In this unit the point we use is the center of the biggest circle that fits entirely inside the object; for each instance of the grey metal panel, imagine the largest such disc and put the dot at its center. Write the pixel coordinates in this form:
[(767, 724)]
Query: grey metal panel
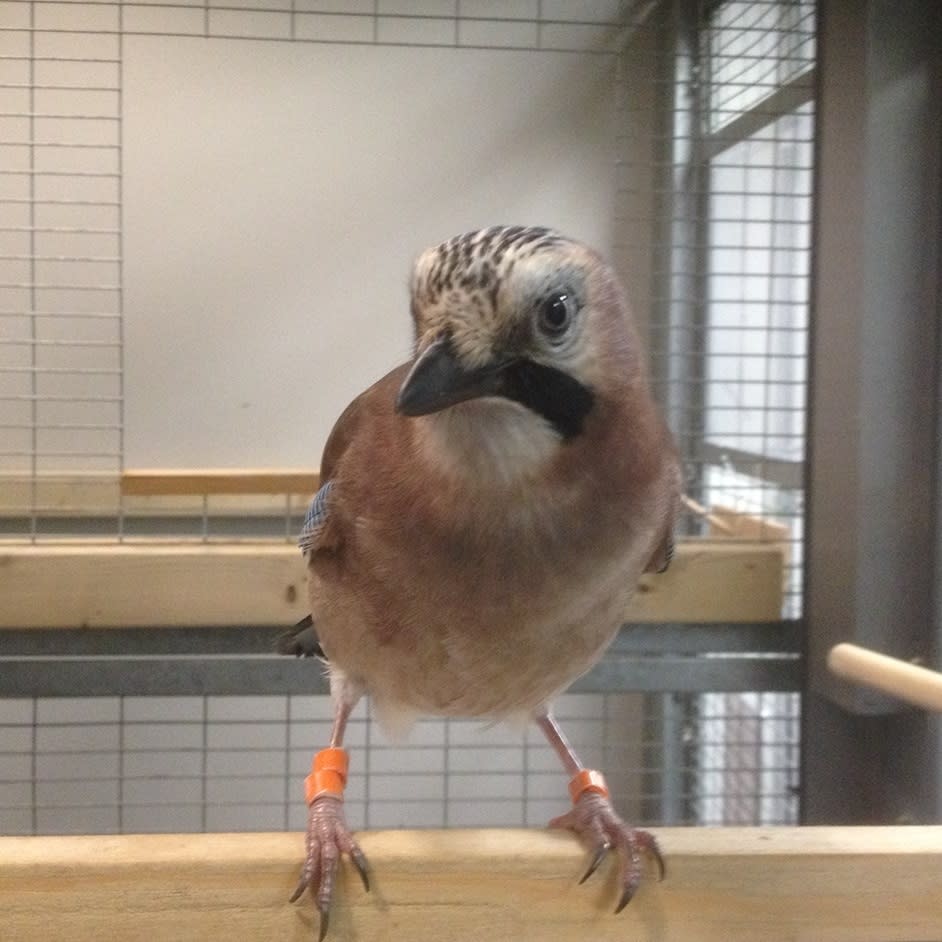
[(872, 425), (646, 658), (640, 638), (164, 676), (694, 675), (873, 521)]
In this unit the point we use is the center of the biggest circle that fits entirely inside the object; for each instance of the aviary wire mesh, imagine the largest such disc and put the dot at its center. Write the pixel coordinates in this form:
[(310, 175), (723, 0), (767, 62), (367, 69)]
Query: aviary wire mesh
[(714, 158), (141, 764)]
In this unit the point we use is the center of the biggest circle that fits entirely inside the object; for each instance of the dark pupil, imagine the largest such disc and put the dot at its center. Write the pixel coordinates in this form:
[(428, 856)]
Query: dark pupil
[(555, 313)]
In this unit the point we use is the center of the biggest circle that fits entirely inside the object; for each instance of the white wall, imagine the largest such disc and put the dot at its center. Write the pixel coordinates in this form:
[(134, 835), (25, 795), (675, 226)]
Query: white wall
[(275, 194)]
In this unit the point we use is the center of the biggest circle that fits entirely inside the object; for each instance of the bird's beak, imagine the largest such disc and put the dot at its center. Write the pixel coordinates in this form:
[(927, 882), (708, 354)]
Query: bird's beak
[(438, 380)]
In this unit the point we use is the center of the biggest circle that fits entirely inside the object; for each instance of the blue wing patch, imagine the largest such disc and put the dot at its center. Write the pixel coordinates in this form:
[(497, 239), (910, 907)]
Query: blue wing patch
[(315, 519)]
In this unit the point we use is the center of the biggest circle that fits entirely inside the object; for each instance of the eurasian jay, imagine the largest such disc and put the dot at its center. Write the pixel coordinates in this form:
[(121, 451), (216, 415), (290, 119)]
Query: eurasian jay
[(485, 512)]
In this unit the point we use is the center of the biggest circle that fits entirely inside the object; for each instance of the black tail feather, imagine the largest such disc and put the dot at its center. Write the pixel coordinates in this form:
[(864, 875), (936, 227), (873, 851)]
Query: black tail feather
[(301, 640)]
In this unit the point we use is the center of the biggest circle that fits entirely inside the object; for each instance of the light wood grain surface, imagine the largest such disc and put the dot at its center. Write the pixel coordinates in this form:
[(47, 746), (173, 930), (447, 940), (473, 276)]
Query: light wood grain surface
[(723, 885), (908, 682), (176, 481), (101, 585)]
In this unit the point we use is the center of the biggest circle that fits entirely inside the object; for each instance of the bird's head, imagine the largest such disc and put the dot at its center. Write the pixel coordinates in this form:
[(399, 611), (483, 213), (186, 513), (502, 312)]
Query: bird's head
[(522, 314)]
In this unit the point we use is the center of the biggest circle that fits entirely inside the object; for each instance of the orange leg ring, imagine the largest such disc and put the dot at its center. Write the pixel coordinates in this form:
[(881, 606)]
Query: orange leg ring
[(328, 774), (587, 780)]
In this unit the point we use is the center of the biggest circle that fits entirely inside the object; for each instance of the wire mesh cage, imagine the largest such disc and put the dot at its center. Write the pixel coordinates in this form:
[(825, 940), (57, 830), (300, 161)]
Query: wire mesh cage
[(713, 129), (142, 764)]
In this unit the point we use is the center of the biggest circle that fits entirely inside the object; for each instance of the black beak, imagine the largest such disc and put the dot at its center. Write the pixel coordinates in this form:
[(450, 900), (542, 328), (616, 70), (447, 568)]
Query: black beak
[(437, 380)]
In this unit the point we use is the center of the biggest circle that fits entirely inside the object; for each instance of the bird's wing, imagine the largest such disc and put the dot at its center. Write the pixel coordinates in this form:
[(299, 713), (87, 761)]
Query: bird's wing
[(344, 430), (301, 640), (664, 551), (317, 531), (316, 520), (662, 555)]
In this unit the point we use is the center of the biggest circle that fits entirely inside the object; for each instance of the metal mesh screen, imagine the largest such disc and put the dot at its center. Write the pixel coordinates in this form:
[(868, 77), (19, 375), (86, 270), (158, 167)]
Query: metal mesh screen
[(60, 265), (714, 160), (140, 764), (730, 292), (730, 298)]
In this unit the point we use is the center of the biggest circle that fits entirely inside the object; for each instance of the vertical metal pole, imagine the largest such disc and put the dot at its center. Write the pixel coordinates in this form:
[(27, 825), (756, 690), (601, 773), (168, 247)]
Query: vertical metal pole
[(683, 260), (672, 768), (873, 490)]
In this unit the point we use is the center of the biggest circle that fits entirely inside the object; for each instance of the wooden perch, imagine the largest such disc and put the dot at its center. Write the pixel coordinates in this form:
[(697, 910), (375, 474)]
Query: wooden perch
[(908, 682), (723, 885), (107, 585)]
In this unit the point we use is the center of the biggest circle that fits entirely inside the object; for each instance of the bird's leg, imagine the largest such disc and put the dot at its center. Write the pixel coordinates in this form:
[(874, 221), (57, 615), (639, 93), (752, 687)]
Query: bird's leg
[(594, 819), (327, 833)]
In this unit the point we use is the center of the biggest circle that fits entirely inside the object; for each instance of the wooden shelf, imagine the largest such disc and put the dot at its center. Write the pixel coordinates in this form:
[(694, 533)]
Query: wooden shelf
[(208, 481), (106, 585), (723, 885), (144, 582)]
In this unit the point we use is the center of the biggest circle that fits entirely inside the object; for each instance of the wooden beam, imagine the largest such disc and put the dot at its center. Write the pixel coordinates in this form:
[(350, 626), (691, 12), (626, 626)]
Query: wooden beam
[(106, 585), (79, 493), (723, 885), (714, 580), (255, 491), (175, 481)]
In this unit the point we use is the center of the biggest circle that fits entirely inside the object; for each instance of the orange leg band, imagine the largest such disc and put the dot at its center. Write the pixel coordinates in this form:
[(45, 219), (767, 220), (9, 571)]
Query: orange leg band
[(587, 780), (328, 774)]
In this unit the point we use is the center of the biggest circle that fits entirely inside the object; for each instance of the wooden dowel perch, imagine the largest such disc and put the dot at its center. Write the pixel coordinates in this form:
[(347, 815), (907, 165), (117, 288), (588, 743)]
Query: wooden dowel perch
[(909, 682), (721, 525)]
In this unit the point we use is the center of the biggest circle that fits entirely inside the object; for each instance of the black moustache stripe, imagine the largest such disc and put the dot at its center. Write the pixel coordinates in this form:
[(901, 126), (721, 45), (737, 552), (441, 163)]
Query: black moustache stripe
[(563, 401)]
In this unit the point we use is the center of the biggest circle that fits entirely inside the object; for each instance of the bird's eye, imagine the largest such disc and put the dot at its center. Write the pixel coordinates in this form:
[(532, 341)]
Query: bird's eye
[(555, 315)]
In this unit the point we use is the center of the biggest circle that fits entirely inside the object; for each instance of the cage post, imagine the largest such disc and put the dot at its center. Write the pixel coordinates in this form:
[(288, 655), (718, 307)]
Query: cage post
[(873, 511)]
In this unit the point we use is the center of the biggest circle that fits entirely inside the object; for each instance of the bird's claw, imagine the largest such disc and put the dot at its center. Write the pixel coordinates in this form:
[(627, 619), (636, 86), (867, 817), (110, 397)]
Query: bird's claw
[(328, 837), (359, 861), (595, 821), (600, 854)]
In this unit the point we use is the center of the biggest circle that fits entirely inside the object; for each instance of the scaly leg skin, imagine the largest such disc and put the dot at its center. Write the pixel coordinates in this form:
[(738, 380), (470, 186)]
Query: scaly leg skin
[(598, 825), (328, 836), (595, 821)]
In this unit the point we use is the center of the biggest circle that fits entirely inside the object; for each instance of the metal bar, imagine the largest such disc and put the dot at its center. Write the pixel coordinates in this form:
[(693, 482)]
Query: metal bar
[(873, 432), (672, 761), (637, 639), (693, 675), (651, 658), (164, 676)]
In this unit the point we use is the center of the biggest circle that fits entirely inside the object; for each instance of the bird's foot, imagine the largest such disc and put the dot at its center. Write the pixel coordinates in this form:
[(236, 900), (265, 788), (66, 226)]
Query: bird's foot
[(598, 825), (328, 837)]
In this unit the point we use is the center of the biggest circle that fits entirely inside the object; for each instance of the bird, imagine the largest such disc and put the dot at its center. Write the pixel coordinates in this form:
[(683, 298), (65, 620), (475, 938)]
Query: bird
[(485, 512)]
